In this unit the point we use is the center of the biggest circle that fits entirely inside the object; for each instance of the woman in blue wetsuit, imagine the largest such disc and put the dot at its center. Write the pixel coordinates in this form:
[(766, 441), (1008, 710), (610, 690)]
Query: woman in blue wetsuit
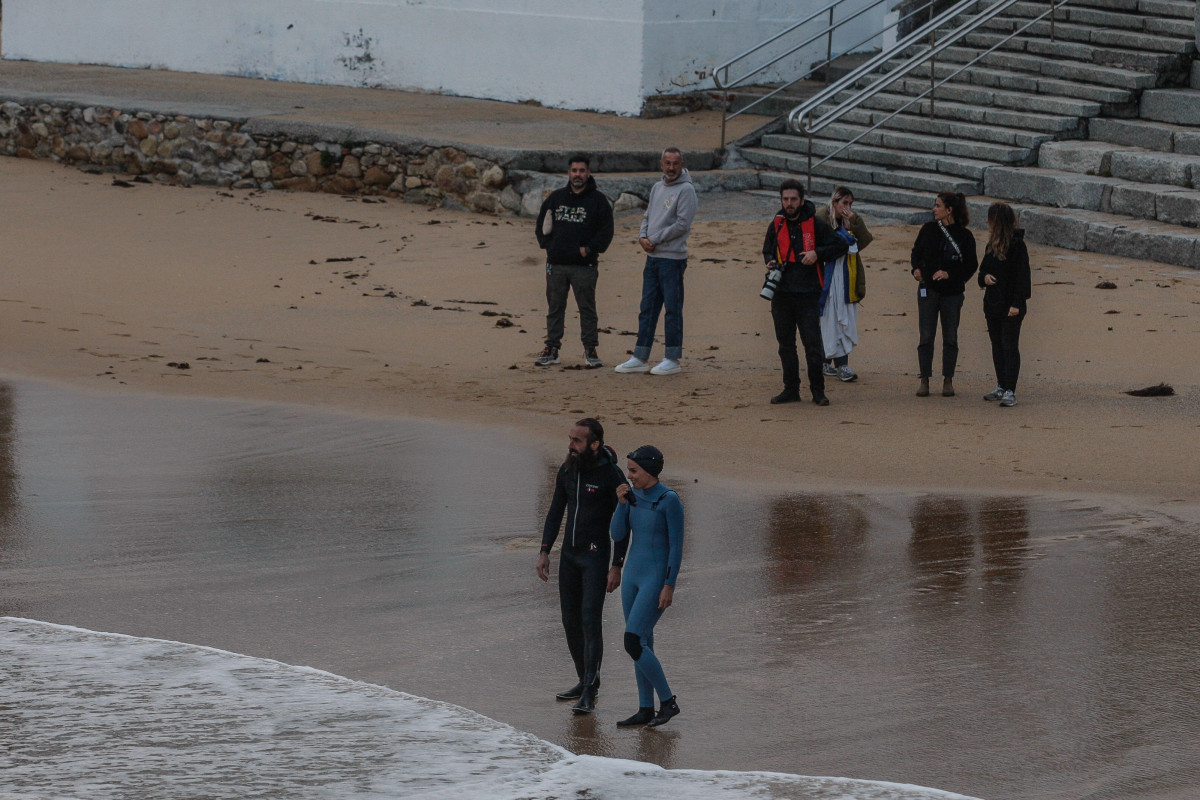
[(654, 515)]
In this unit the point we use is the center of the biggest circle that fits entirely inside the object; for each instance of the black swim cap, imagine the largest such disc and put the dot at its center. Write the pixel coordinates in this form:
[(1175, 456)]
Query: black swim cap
[(649, 458)]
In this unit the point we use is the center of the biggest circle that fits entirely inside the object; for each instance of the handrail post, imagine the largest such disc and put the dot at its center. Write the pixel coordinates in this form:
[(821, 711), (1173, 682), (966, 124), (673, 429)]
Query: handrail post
[(724, 112), (933, 64), (808, 186), (829, 44)]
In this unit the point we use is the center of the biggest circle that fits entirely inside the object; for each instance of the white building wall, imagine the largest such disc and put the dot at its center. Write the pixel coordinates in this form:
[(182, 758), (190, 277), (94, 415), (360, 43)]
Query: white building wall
[(580, 54)]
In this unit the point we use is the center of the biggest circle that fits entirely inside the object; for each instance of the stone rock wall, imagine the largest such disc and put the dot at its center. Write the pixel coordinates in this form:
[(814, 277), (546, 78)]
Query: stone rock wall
[(187, 150)]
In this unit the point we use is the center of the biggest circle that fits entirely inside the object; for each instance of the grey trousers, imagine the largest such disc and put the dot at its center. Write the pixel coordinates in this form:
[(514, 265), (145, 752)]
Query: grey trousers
[(560, 280)]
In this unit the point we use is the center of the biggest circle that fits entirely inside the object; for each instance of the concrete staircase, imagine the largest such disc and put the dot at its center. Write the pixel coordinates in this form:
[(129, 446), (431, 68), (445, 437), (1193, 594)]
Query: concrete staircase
[(1029, 123)]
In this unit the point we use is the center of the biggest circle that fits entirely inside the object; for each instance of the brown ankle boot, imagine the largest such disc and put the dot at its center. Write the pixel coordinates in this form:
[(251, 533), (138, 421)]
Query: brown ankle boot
[(923, 389), (947, 387)]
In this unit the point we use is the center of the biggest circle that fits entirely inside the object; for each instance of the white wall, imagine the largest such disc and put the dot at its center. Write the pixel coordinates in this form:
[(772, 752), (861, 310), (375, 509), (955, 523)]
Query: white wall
[(563, 53)]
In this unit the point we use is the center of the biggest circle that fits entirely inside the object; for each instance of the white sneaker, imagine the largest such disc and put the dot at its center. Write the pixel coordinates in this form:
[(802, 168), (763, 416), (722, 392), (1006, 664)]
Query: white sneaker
[(845, 374), (1009, 400), (667, 367), (829, 370), (632, 365)]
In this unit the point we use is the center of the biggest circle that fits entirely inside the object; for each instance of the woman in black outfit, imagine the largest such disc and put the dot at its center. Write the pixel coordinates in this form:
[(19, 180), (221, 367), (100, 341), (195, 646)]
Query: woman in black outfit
[(943, 260), (1004, 276)]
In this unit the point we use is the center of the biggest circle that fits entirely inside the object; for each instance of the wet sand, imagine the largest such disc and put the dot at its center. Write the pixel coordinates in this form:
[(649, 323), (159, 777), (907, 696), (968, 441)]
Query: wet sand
[(997, 645), (387, 308), (995, 602)]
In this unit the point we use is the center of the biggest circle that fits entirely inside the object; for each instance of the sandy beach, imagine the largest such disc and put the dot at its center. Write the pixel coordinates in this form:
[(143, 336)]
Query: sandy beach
[(383, 307), (935, 591)]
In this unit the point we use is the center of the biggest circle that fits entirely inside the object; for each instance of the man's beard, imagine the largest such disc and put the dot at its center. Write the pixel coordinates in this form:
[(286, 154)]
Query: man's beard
[(581, 462)]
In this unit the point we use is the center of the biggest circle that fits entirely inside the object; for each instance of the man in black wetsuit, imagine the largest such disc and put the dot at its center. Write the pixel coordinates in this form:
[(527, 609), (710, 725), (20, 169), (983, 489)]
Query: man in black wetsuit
[(586, 490)]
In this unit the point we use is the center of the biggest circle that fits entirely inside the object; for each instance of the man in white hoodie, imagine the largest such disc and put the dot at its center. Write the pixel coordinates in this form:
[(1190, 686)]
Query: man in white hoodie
[(664, 234)]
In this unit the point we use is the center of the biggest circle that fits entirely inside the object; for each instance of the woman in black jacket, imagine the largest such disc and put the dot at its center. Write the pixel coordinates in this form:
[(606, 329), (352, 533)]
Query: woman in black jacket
[(943, 260), (1004, 276)]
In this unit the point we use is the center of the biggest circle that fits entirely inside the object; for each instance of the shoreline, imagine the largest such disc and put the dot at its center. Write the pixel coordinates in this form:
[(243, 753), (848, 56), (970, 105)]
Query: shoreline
[(266, 302)]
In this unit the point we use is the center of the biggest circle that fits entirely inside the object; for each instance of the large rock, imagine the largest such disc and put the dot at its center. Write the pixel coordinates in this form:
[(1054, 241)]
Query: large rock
[(493, 177), (261, 170), (351, 168), (306, 183), (377, 176), (315, 162)]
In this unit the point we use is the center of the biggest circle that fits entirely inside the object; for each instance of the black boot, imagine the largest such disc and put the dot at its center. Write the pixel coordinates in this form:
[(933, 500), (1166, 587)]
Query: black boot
[(668, 709), (587, 698), (575, 691), (643, 716)]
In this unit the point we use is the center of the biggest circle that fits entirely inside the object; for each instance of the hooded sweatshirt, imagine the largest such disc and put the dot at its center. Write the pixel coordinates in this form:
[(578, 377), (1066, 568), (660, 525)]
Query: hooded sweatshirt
[(1013, 281), (577, 219), (669, 216)]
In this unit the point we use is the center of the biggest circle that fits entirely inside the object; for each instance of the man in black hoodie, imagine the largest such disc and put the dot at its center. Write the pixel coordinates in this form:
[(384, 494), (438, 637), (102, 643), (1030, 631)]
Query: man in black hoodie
[(586, 489), (574, 226), (799, 244)]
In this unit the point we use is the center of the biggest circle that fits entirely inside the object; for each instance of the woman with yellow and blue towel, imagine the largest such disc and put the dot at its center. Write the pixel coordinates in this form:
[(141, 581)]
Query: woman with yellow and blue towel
[(845, 285)]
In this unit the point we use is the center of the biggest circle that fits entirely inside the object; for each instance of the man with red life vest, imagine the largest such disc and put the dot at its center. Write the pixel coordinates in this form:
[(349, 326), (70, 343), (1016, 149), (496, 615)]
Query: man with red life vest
[(799, 244)]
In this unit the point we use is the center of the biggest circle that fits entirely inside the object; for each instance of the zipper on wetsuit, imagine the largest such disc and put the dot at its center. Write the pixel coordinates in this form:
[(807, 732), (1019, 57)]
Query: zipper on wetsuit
[(575, 518)]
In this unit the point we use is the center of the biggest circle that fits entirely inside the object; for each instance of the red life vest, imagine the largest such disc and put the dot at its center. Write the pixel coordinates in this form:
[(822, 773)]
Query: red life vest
[(785, 253)]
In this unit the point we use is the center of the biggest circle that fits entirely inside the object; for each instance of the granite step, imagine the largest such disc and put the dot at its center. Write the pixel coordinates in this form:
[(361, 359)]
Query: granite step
[(1109, 234), (1168, 203), (1159, 136), (1176, 106), (984, 152), (872, 212), (1038, 64), (1026, 82), (879, 194), (975, 105), (967, 131)]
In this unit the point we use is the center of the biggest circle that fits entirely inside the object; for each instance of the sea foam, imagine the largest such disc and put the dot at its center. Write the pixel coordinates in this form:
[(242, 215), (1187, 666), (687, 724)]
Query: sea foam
[(94, 716)]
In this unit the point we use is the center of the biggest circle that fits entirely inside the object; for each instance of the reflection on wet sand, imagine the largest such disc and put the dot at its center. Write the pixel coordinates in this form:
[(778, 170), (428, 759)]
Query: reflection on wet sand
[(1016, 647)]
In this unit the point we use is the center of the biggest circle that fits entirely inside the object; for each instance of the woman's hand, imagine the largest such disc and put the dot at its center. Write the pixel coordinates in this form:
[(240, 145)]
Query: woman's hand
[(622, 492), (941, 275), (1013, 311), (989, 279), (665, 597), (916, 273)]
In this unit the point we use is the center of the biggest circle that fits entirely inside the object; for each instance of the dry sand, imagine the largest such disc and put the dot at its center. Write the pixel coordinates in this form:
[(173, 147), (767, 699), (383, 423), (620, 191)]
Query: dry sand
[(314, 299)]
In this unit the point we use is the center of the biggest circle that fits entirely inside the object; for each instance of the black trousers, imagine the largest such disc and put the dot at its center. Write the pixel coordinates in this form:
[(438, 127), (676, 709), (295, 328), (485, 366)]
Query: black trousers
[(1005, 333), (930, 308), (582, 580), (794, 311)]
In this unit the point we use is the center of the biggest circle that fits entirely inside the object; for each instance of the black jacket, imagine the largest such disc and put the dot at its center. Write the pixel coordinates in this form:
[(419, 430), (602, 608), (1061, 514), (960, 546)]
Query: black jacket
[(589, 499), (799, 277), (583, 219), (932, 252), (1013, 282)]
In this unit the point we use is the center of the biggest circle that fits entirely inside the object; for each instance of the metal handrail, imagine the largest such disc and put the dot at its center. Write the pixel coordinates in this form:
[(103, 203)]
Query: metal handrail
[(721, 73), (797, 115)]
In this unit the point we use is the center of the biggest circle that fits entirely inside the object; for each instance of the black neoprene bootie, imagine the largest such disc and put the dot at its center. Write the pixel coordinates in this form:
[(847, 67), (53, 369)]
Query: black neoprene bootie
[(572, 693), (643, 716), (575, 691), (587, 700), (668, 709)]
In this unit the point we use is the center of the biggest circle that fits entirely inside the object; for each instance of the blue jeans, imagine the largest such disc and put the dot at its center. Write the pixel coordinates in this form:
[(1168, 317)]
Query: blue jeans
[(662, 284)]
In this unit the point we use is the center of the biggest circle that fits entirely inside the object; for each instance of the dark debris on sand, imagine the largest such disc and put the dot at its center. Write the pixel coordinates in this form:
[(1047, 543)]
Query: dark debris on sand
[(1161, 390)]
